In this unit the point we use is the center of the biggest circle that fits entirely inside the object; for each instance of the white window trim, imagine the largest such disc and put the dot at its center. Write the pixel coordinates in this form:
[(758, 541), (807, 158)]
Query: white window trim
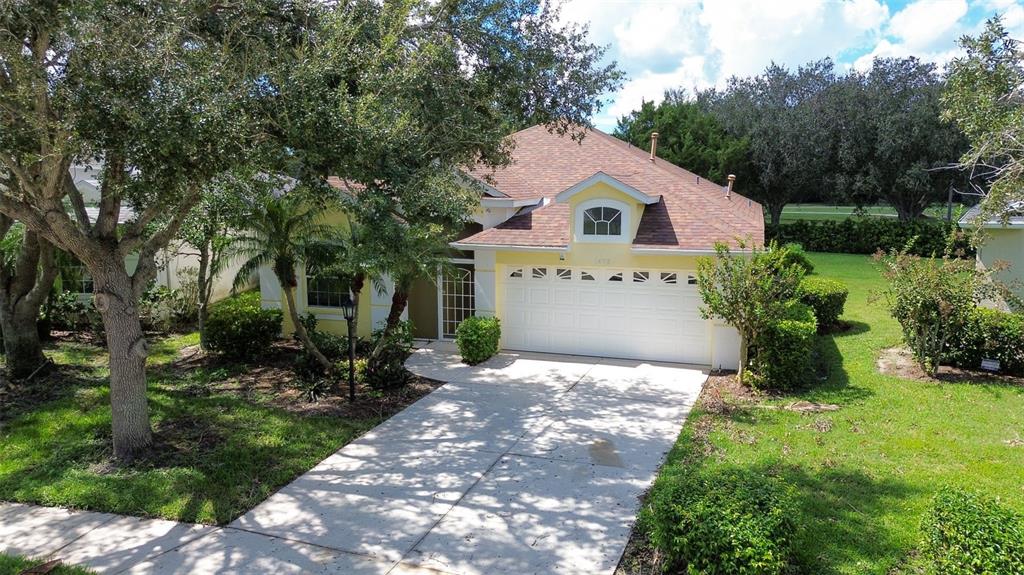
[(626, 213)]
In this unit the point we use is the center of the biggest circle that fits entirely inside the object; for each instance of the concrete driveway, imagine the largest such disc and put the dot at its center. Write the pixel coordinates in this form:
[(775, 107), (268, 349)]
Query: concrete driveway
[(528, 463)]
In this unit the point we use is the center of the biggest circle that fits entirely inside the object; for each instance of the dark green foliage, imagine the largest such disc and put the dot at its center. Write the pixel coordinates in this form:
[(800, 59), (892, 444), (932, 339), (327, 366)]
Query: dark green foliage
[(63, 310), (966, 533), (867, 235), (720, 521), (385, 368), (794, 254), (478, 338), (783, 351), (990, 334), (239, 328), (826, 297), (689, 137), (163, 309)]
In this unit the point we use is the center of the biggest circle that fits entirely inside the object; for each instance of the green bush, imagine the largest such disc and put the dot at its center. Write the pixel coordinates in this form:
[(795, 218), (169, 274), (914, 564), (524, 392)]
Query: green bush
[(720, 521), (63, 310), (794, 254), (240, 328), (970, 534), (867, 235), (385, 367), (478, 338), (782, 353), (988, 334), (826, 297)]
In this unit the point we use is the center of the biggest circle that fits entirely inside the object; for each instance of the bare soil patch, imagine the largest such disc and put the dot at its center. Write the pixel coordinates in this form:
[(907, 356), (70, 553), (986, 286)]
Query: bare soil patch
[(899, 362)]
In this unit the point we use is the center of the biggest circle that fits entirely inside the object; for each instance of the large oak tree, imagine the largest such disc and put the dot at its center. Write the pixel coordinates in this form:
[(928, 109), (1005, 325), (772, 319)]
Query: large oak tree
[(156, 92)]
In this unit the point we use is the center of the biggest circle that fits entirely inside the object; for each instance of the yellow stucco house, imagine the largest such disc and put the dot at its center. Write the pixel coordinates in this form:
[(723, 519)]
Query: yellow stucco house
[(585, 248)]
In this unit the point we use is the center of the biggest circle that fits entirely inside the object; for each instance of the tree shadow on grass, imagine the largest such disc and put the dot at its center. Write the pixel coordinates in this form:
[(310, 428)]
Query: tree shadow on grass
[(842, 518), (832, 374)]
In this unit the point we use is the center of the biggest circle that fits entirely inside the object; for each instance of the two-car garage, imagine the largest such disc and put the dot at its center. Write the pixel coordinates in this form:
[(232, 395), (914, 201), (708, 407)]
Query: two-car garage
[(628, 313)]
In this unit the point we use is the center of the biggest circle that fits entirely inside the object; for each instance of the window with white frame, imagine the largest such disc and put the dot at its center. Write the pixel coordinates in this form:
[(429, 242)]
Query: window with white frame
[(325, 290), (602, 220)]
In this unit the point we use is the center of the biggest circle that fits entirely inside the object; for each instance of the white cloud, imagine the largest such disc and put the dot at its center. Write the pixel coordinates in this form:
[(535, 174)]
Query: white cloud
[(921, 24)]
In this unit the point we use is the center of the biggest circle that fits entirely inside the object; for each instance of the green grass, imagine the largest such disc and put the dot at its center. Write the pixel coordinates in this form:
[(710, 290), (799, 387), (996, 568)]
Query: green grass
[(794, 212), (215, 456), (865, 483), (11, 565)]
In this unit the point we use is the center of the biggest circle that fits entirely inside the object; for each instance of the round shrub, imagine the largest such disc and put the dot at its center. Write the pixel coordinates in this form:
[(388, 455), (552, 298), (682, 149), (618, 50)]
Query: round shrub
[(478, 338), (794, 254), (240, 328), (782, 353), (720, 520), (968, 533), (988, 334), (826, 297)]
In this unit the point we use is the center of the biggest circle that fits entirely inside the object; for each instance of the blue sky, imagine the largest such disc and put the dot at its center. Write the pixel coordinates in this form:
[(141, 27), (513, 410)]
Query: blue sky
[(692, 44)]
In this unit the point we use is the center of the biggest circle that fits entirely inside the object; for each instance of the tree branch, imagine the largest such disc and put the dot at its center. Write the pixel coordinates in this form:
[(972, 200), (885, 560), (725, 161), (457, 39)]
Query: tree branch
[(145, 271)]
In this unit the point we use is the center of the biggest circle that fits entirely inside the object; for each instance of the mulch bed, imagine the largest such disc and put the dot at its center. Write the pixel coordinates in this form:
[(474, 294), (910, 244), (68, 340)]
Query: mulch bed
[(899, 362), (273, 382)]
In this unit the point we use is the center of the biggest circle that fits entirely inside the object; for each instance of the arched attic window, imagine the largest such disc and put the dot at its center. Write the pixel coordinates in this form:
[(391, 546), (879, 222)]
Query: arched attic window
[(602, 220)]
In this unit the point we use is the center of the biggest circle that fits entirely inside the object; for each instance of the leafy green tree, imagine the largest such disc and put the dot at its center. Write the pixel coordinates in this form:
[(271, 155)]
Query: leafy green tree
[(209, 228), (27, 273), (397, 99), (688, 136), (983, 98), (159, 91), (892, 144), (286, 233), (780, 113), (750, 290)]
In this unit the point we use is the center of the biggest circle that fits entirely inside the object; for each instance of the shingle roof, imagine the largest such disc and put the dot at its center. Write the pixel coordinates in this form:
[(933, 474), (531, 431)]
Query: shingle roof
[(693, 213)]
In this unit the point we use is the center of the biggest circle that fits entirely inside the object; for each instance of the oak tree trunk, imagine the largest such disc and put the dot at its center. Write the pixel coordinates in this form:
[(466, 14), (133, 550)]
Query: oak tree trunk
[(22, 348), (202, 280), (775, 213), (116, 302)]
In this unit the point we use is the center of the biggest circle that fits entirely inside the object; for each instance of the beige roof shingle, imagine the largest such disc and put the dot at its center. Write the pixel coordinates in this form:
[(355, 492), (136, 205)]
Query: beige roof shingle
[(693, 213)]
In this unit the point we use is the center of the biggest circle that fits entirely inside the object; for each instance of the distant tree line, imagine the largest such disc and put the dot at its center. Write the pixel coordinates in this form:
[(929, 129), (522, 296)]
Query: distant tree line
[(811, 135)]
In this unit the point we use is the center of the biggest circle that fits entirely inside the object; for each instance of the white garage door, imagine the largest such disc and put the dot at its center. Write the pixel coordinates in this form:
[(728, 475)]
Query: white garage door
[(637, 314)]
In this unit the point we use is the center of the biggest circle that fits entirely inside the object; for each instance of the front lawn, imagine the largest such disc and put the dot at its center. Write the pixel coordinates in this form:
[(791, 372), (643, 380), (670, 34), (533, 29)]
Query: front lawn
[(864, 474), (12, 565), (224, 439)]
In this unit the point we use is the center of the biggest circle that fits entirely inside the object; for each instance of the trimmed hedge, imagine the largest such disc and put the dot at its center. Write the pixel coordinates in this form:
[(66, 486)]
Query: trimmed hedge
[(240, 328), (782, 355), (478, 338), (826, 297), (990, 334), (720, 520), (967, 533), (867, 235)]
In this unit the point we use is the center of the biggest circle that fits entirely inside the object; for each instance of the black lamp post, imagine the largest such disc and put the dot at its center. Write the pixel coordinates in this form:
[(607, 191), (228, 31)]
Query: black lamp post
[(348, 309)]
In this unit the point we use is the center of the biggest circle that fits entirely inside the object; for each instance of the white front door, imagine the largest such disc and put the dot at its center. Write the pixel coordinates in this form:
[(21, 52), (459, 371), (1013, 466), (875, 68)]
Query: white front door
[(634, 313)]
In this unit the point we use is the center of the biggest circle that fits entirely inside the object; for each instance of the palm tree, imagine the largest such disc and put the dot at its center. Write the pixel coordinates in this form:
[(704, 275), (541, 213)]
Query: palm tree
[(285, 232)]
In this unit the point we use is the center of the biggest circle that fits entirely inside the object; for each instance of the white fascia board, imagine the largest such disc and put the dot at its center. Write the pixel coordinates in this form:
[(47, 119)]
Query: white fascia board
[(508, 248), (601, 177), (679, 251), (509, 202)]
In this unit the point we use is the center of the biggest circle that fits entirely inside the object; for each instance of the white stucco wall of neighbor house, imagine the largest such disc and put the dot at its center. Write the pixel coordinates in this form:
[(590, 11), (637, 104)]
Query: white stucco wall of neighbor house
[(1005, 244)]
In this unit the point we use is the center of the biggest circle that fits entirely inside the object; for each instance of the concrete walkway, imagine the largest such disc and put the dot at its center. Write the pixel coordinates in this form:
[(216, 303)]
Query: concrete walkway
[(528, 463)]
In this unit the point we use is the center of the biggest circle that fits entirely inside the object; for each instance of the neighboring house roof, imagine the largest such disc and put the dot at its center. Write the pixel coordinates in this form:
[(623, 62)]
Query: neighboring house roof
[(691, 214), (1016, 211), (125, 214)]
